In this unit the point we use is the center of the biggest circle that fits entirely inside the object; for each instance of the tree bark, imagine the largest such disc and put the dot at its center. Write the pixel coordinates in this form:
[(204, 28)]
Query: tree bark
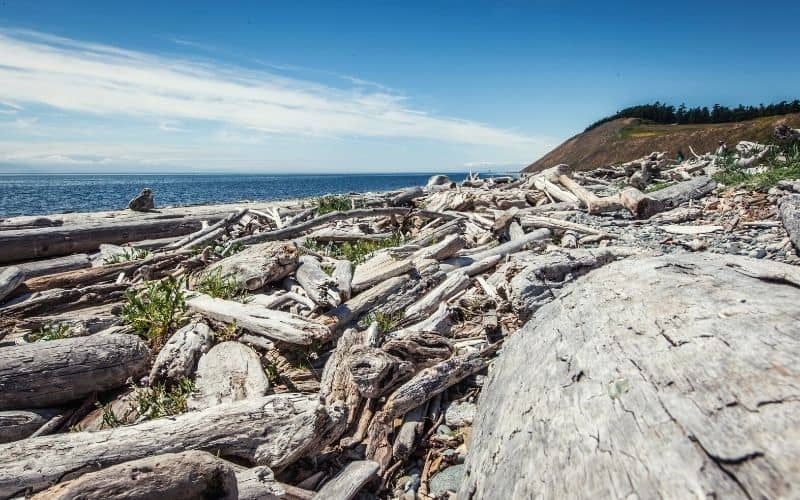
[(19, 424), (188, 475), (10, 279), (664, 395), (349, 481), (52, 372), (273, 431)]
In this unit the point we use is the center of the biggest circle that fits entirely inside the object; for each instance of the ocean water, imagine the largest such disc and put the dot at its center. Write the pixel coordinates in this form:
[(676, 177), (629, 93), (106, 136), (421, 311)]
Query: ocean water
[(52, 194)]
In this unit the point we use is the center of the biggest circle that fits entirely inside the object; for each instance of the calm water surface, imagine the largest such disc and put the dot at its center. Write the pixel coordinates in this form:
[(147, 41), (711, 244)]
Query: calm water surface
[(49, 194)]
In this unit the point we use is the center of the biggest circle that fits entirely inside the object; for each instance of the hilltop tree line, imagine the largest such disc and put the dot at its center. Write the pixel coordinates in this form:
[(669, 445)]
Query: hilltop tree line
[(664, 113)]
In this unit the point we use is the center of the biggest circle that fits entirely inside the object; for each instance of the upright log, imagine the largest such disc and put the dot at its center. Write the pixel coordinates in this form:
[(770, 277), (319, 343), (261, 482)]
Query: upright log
[(229, 372), (190, 475), (178, 358), (272, 430), (52, 372)]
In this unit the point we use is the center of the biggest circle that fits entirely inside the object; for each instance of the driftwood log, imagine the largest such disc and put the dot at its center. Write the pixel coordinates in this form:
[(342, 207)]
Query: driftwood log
[(258, 265), (191, 475), (343, 274), (10, 279), (45, 242), (19, 424), (178, 358), (639, 204), (320, 287), (273, 431), (229, 372), (55, 265), (276, 325), (672, 196), (639, 399), (52, 372), (349, 481)]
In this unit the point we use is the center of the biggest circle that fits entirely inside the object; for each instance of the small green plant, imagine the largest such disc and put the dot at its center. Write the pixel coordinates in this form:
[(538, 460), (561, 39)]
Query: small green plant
[(357, 251), (161, 400), (50, 331), (213, 283), (272, 374), (110, 420), (128, 254), (327, 269), (782, 163), (157, 310), (386, 322), (331, 203), (657, 186)]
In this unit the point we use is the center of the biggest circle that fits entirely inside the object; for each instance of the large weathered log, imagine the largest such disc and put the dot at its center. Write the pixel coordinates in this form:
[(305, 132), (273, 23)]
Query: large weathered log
[(349, 482), (672, 196), (378, 269), (320, 287), (229, 372), (60, 300), (190, 475), (178, 358), (292, 231), (258, 265), (500, 250), (537, 221), (343, 274), (790, 217), (406, 196), (277, 325), (10, 279), (546, 179), (350, 311), (672, 394), (639, 204), (209, 233), (593, 203), (341, 235), (19, 424), (336, 382), (273, 431), (39, 243), (51, 372), (375, 372), (439, 251)]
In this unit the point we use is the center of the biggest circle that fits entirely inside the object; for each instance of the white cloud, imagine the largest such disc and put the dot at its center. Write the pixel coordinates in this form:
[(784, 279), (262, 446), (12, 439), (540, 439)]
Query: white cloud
[(168, 126), (101, 80)]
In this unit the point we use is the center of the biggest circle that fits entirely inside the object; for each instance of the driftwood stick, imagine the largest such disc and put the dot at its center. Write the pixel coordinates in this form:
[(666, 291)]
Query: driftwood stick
[(213, 231), (639, 204), (343, 274), (454, 283), (500, 250), (537, 221), (55, 265), (272, 430), (10, 279), (592, 202), (349, 481), (320, 287), (349, 311)]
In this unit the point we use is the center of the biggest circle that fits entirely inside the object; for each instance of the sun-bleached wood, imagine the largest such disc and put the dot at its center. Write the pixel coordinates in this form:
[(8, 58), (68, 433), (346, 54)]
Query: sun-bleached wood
[(178, 358), (10, 279), (628, 396), (258, 265), (272, 430), (187, 475), (229, 372), (53, 372), (320, 287), (349, 481)]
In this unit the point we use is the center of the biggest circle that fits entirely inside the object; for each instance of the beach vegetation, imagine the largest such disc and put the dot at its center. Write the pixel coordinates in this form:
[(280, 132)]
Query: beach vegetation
[(157, 310)]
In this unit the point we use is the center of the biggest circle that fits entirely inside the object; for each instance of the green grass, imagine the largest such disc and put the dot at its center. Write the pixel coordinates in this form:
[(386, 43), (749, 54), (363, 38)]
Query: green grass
[(157, 310), (128, 254), (386, 322), (331, 203), (657, 186), (357, 251), (783, 164), (161, 400), (50, 331), (213, 283)]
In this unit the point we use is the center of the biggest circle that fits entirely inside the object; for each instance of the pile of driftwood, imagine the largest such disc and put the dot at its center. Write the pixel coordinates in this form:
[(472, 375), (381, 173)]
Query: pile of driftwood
[(323, 372)]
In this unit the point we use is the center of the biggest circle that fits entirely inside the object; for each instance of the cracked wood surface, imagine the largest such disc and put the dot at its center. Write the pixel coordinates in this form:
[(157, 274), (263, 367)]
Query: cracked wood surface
[(666, 377)]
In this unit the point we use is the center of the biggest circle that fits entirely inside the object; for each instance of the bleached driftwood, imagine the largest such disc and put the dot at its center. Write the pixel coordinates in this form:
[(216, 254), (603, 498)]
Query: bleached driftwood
[(54, 301), (420, 348), (190, 474), (336, 383), (340, 235), (59, 371), (500, 250), (341, 316), (258, 483), (546, 181), (212, 232), (672, 196), (644, 399), (537, 221), (438, 322), (229, 372), (406, 196), (55, 265), (593, 203), (515, 231), (406, 437), (343, 274), (273, 431), (19, 424), (277, 325), (10, 279), (320, 287), (375, 372), (789, 211), (178, 358), (439, 251), (639, 204), (378, 268), (258, 265), (454, 283), (349, 481)]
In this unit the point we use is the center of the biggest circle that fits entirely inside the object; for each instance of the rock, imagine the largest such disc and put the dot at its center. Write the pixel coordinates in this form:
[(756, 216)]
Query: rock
[(447, 480), (437, 180), (790, 216), (460, 414), (143, 202), (668, 376), (229, 372)]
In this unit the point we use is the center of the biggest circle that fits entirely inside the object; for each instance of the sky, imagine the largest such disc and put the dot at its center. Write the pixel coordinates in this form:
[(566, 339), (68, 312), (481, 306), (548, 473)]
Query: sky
[(353, 87)]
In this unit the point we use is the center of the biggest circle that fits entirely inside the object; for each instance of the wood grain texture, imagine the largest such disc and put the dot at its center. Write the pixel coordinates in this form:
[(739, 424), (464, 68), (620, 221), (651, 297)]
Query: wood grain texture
[(59, 371), (258, 265), (178, 358), (229, 372), (663, 377)]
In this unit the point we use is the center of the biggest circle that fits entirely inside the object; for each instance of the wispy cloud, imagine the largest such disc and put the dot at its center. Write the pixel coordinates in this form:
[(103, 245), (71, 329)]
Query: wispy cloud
[(168, 126), (95, 79)]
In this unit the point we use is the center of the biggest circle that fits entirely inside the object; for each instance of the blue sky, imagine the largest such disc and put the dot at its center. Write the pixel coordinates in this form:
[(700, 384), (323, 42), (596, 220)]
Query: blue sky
[(296, 87)]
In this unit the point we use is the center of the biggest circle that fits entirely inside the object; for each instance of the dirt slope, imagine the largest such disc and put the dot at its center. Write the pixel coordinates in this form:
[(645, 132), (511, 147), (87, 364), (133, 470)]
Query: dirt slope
[(630, 138)]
